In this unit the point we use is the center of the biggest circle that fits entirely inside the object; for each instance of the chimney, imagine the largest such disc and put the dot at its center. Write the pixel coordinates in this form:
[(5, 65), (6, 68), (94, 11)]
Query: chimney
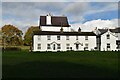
[(61, 30), (48, 19), (79, 30)]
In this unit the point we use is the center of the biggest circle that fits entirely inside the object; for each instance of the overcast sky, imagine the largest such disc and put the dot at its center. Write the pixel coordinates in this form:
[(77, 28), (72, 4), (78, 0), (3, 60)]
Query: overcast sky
[(86, 15)]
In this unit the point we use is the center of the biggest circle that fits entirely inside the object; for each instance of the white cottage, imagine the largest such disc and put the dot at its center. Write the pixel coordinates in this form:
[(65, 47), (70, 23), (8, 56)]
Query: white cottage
[(108, 39), (55, 35)]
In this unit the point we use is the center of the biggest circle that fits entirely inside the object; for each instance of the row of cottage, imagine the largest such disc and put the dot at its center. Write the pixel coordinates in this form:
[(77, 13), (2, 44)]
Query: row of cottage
[(55, 35)]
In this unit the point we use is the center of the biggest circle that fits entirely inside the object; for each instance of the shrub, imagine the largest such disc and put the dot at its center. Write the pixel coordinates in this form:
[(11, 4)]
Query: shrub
[(11, 49)]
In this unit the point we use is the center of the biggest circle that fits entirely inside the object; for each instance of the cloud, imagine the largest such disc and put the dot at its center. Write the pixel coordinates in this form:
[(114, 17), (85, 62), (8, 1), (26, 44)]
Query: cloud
[(91, 25), (0, 14), (26, 14), (60, 0), (76, 11)]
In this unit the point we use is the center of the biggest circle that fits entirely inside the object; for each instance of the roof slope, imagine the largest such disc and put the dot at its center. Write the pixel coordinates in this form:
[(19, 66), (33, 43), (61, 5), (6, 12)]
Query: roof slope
[(117, 30), (55, 21)]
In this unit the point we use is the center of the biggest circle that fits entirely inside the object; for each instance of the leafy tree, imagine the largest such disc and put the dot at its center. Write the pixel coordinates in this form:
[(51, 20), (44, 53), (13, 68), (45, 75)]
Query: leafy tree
[(11, 35), (28, 35)]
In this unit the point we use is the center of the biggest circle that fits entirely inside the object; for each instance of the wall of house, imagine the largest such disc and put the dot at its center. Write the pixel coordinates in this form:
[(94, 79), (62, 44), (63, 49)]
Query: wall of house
[(112, 42), (72, 40), (50, 28)]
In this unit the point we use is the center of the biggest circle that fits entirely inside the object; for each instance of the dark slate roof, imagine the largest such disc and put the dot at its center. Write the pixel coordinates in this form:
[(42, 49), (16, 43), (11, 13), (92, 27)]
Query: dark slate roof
[(117, 30), (64, 33), (55, 21)]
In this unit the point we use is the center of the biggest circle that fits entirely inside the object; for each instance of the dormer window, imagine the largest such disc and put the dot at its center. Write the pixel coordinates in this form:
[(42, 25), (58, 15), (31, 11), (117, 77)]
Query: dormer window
[(108, 36)]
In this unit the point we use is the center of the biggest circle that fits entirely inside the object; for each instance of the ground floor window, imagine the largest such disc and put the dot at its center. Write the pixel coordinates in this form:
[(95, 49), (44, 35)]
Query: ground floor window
[(39, 46), (58, 46), (86, 46), (108, 45), (67, 46), (48, 46)]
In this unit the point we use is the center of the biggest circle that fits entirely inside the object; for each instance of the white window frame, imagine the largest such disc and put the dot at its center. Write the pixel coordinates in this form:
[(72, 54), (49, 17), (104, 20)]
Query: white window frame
[(58, 46), (39, 38), (48, 46), (108, 36), (67, 46), (48, 37), (108, 45), (39, 46), (86, 45), (76, 37), (67, 37), (58, 37), (86, 37)]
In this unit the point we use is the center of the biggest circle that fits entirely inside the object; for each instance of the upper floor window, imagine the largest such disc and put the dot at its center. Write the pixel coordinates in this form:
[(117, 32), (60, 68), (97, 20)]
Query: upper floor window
[(39, 46), (67, 37), (86, 37), (108, 36), (39, 38), (58, 37), (76, 37), (48, 37)]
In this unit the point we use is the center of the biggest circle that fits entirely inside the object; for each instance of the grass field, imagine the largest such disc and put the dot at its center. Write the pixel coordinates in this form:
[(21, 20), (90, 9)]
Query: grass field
[(23, 64)]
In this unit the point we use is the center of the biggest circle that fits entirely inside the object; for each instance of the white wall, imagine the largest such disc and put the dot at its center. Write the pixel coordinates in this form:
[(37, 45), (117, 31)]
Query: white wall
[(54, 28), (112, 41), (72, 39)]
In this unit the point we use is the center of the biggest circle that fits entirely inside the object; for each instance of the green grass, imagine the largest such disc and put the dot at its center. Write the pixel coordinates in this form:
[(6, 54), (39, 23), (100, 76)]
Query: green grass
[(22, 64)]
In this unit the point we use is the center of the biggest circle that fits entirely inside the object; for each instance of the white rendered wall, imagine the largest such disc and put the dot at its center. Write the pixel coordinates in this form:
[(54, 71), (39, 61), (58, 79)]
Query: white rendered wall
[(112, 42), (72, 39), (55, 28)]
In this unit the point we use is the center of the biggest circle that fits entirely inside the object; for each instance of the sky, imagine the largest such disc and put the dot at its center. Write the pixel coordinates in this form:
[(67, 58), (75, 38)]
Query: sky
[(86, 15)]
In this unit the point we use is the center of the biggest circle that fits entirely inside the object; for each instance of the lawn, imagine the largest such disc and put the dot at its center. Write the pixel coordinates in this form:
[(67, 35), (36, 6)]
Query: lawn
[(24, 64)]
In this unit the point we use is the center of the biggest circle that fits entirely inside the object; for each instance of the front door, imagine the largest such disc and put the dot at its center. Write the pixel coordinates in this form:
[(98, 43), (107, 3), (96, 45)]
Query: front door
[(54, 47), (77, 46)]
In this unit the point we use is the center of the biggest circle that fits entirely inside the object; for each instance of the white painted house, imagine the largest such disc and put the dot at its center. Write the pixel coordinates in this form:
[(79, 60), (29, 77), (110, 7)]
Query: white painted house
[(108, 39), (55, 35)]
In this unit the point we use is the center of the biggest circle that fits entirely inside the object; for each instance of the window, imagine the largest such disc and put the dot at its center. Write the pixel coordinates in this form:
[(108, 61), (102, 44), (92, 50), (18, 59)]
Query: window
[(108, 45), (76, 37), (67, 37), (48, 46), (39, 38), (58, 37), (108, 36), (86, 46), (86, 37), (39, 46), (67, 46), (58, 46), (48, 37)]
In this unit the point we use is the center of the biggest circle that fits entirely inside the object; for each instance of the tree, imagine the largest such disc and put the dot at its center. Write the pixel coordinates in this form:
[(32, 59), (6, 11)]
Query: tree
[(12, 36), (28, 35)]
